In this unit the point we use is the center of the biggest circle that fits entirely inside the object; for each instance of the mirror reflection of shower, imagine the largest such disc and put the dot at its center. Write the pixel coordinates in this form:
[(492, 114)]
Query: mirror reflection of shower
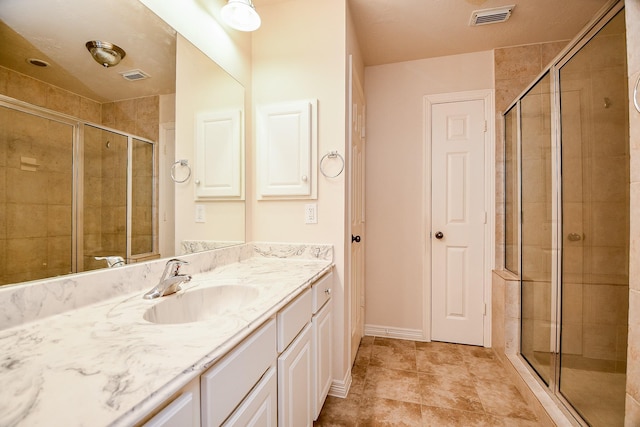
[(57, 225)]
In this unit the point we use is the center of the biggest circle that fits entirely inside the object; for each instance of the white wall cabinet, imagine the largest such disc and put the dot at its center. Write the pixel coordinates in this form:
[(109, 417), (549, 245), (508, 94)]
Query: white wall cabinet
[(287, 150), (219, 155)]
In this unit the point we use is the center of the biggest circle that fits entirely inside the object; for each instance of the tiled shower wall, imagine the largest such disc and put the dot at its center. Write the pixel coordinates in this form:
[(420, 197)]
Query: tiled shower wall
[(514, 71), (35, 207)]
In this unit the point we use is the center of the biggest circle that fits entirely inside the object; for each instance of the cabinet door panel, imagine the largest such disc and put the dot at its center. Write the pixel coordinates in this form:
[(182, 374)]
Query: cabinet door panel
[(219, 154), (260, 408), (184, 411), (286, 149), (322, 332), (295, 380)]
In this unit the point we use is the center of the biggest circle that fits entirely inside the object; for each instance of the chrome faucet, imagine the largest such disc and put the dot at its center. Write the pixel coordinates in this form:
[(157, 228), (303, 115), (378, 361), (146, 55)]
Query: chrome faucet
[(112, 261), (170, 280)]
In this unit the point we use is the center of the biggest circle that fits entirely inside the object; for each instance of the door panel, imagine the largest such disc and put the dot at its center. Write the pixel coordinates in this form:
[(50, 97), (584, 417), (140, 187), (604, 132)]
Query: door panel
[(458, 213), (357, 180)]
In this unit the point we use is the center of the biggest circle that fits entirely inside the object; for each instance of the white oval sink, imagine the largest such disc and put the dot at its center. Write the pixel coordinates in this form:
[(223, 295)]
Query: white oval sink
[(201, 304)]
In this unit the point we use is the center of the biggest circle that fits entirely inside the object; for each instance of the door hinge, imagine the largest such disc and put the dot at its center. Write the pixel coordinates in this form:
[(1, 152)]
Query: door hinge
[(485, 125), (484, 310), (485, 217)]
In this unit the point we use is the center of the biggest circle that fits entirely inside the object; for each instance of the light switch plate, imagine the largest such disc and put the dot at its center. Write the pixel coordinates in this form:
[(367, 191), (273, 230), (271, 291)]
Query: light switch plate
[(311, 213), (200, 214)]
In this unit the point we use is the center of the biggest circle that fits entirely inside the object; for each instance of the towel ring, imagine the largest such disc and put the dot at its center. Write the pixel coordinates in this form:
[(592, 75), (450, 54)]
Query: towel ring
[(332, 155), (183, 162)]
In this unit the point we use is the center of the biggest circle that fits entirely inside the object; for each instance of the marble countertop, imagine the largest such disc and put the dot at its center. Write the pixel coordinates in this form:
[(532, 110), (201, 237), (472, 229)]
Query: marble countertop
[(104, 365)]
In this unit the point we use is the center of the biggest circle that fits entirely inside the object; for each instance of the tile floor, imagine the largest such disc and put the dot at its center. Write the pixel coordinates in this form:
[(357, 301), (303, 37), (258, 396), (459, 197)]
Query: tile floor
[(408, 383)]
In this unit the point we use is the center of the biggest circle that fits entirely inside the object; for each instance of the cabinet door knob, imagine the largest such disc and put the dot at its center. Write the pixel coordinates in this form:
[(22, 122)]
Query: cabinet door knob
[(304, 178), (327, 291)]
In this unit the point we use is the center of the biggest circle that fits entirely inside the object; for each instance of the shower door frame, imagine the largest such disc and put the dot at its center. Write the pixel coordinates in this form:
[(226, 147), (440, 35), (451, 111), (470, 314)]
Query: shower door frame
[(77, 185), (600, 21)]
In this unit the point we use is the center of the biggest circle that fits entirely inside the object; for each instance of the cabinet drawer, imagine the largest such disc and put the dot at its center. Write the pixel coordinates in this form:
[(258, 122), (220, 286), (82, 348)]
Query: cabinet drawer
[(321, 290), (230, 380), (292, 319)]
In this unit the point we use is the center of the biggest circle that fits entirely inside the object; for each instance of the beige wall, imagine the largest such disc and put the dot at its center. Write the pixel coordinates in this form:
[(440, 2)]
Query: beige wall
[(397, 251), (632, 417), (292, 56), (295, 57), (214, 91)]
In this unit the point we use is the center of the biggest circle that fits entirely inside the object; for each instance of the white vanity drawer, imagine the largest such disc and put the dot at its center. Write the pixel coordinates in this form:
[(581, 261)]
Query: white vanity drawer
[(321, 290), (292, 319), (226, 384)]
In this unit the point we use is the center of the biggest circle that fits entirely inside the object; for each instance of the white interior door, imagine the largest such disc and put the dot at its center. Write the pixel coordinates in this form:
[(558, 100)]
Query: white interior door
[(357, 214), (458, 218)]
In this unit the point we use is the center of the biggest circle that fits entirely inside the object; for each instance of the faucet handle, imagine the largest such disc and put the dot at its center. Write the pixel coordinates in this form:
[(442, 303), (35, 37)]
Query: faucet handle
[(177, 261), (173, 266)]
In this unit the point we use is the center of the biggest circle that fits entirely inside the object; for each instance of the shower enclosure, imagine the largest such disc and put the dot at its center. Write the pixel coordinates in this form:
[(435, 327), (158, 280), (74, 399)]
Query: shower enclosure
[(71, 192), (567, 222)]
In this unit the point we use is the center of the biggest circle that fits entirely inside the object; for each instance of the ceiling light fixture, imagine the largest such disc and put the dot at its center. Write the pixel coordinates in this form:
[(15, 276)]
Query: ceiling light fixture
[(241, 15), (105, 53)]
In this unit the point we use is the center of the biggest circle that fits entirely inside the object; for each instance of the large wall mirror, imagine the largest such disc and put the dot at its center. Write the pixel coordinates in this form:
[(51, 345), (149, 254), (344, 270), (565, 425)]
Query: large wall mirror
[(87, 152)]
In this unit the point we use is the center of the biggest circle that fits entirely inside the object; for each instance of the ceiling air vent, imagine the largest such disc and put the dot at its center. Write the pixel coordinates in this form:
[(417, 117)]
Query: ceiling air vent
[(490, 16), (134, 75)]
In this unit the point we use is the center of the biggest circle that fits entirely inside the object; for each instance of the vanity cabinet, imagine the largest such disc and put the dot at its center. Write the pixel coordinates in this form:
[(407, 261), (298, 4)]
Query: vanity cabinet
[(304, 365), (278, 376), (321, 339), (295, 374)]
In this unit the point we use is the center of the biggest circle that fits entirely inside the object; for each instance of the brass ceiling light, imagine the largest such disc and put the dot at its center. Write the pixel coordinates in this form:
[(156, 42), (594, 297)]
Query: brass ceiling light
[(105, 53)]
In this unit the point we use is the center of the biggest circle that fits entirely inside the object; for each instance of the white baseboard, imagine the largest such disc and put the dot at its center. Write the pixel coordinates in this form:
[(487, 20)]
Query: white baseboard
[(341, 388), (398, 333)]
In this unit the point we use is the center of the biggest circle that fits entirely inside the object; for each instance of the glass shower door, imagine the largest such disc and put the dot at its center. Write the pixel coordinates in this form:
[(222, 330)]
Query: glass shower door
[(142, 198), (36, 196), (537, 336), (104, 197), (595, 225)]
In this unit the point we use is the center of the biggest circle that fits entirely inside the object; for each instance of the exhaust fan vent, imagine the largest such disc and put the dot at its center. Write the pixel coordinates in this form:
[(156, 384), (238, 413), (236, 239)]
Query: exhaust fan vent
[(490, 16), (134, 75)]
